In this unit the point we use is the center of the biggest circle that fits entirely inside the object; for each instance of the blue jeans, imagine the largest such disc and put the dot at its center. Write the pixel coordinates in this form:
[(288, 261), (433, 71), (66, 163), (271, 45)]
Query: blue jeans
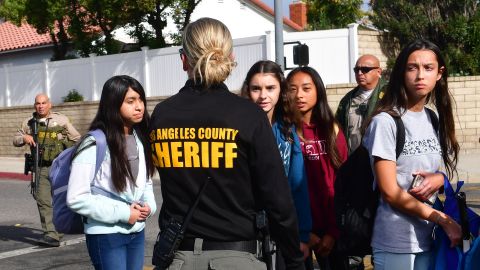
[(116, 251), (400, 261)]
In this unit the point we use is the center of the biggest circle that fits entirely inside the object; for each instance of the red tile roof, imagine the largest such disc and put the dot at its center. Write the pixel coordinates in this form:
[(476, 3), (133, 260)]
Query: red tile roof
[(13, 37), (269, 10)]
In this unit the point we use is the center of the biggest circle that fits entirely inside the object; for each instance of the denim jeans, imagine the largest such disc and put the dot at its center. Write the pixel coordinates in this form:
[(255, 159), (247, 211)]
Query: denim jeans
[(400, 261), (116, 251)]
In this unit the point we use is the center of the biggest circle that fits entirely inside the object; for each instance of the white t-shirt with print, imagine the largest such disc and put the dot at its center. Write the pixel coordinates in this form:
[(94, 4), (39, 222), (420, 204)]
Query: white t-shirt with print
[(395, 231)]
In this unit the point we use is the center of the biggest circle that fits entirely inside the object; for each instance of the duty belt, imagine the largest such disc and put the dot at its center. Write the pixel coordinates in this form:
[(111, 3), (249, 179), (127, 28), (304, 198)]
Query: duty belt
[(245, 246)]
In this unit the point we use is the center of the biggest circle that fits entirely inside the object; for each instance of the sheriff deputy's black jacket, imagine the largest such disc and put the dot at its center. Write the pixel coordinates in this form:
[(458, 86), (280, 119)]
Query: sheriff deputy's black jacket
[(212, 132)]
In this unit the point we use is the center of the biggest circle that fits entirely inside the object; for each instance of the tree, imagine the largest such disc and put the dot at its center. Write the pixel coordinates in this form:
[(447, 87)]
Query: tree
[(182, 12), (330, 14), (148, 22), (47, 16), (156, 18), (454, 25), (88, 24), (106, 15)]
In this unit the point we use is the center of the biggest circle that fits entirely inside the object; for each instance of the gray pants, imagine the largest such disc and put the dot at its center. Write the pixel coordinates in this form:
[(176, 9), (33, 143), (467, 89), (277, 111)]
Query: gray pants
[(215, 259), (43, 197)]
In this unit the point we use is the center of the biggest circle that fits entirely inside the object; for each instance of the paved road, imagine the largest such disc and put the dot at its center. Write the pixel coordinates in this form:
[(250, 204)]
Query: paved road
[(20, 228)]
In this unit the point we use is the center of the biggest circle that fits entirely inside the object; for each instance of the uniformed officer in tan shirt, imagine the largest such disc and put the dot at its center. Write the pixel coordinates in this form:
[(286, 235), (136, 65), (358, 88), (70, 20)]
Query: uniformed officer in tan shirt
[(55, 133)]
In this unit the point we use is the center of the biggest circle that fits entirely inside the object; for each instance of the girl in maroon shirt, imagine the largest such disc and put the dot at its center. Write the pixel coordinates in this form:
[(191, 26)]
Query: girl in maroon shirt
[(324, 149)]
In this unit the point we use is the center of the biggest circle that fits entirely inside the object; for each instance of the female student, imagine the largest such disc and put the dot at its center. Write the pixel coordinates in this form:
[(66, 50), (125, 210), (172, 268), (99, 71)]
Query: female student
[(403, 224), (265, 85), (324, 149), (115, 229)]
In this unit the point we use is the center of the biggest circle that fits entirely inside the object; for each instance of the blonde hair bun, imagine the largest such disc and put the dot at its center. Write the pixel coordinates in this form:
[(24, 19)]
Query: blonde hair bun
[(208, 46)]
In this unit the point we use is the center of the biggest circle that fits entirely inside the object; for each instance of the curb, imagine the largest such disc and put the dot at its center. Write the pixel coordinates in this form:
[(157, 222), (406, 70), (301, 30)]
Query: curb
[(14, 176)]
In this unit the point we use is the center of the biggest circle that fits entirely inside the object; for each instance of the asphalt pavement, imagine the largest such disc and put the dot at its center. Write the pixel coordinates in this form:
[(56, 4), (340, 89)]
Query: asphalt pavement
[(20, 229)]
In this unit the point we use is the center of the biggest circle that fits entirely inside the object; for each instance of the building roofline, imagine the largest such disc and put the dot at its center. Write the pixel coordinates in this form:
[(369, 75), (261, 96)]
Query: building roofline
[(21, 37), (269, 10), (34, 47)]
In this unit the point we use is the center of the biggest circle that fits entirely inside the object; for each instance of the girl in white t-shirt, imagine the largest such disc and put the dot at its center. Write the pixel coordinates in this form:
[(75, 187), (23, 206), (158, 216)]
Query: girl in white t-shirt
[(403, 224)]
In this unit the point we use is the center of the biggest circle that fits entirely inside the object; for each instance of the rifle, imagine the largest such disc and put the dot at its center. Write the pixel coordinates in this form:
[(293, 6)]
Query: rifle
[(31, 160)]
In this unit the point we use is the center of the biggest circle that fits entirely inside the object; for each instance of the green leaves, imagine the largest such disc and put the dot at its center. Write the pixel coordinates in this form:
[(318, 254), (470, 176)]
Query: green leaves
[(88, 24), (13, 10), (332, 14), (72, 96), (453, 25)]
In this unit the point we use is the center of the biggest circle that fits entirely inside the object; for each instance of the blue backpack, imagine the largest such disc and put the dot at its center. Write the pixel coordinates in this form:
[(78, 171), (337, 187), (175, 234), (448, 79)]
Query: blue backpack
[(443, 256), (64, 219)]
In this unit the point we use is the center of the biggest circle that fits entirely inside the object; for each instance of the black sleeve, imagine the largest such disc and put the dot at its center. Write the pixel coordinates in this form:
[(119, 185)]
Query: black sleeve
[(274, 194)]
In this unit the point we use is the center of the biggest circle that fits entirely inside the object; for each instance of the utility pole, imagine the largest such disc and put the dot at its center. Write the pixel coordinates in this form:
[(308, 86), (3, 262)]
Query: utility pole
[(278, 9)]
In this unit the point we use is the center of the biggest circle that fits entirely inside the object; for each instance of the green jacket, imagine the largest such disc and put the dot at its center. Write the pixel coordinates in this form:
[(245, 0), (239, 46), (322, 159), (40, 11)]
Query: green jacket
[(344, 106)]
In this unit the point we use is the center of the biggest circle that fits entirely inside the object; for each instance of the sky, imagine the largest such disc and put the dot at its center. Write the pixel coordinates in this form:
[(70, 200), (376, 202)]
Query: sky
[(285, 4)]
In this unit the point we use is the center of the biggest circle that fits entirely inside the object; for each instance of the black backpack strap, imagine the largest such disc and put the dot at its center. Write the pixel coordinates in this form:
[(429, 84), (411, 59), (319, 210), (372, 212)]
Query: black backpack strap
[(400, 135), (433, 118)]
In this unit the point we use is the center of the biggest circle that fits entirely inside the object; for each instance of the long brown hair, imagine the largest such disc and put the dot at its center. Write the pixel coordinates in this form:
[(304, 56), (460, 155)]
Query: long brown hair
[(322, 114), (396, 98), (109, 120)]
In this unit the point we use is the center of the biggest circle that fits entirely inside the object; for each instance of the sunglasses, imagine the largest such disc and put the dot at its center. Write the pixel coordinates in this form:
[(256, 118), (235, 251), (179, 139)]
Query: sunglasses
[(364, 70)]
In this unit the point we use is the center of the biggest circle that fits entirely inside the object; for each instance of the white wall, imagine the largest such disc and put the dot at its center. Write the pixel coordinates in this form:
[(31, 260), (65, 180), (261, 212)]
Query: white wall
[(331, 53), (26, 57)]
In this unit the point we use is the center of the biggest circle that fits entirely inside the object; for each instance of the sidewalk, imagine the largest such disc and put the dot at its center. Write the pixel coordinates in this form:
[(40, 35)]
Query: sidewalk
[(468, 168)]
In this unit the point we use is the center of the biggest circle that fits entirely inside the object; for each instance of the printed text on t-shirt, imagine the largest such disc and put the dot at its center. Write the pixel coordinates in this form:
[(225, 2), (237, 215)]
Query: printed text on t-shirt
[(313, 149)]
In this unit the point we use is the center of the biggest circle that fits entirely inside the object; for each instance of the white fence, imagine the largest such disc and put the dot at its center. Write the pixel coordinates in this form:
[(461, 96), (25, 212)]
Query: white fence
[(332, 53)]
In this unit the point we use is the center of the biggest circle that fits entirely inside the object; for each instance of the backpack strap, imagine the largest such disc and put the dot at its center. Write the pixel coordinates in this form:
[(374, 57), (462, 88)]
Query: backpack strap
[(101, 142), (400, 135), (433, 118)]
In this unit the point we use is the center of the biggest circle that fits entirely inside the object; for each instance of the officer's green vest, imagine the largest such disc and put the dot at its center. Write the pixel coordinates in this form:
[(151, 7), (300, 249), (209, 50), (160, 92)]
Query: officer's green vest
[(48, 140)]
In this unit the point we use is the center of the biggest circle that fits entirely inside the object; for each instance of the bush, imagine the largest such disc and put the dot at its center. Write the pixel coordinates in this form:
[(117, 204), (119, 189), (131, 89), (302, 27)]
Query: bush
[(72, 96)]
